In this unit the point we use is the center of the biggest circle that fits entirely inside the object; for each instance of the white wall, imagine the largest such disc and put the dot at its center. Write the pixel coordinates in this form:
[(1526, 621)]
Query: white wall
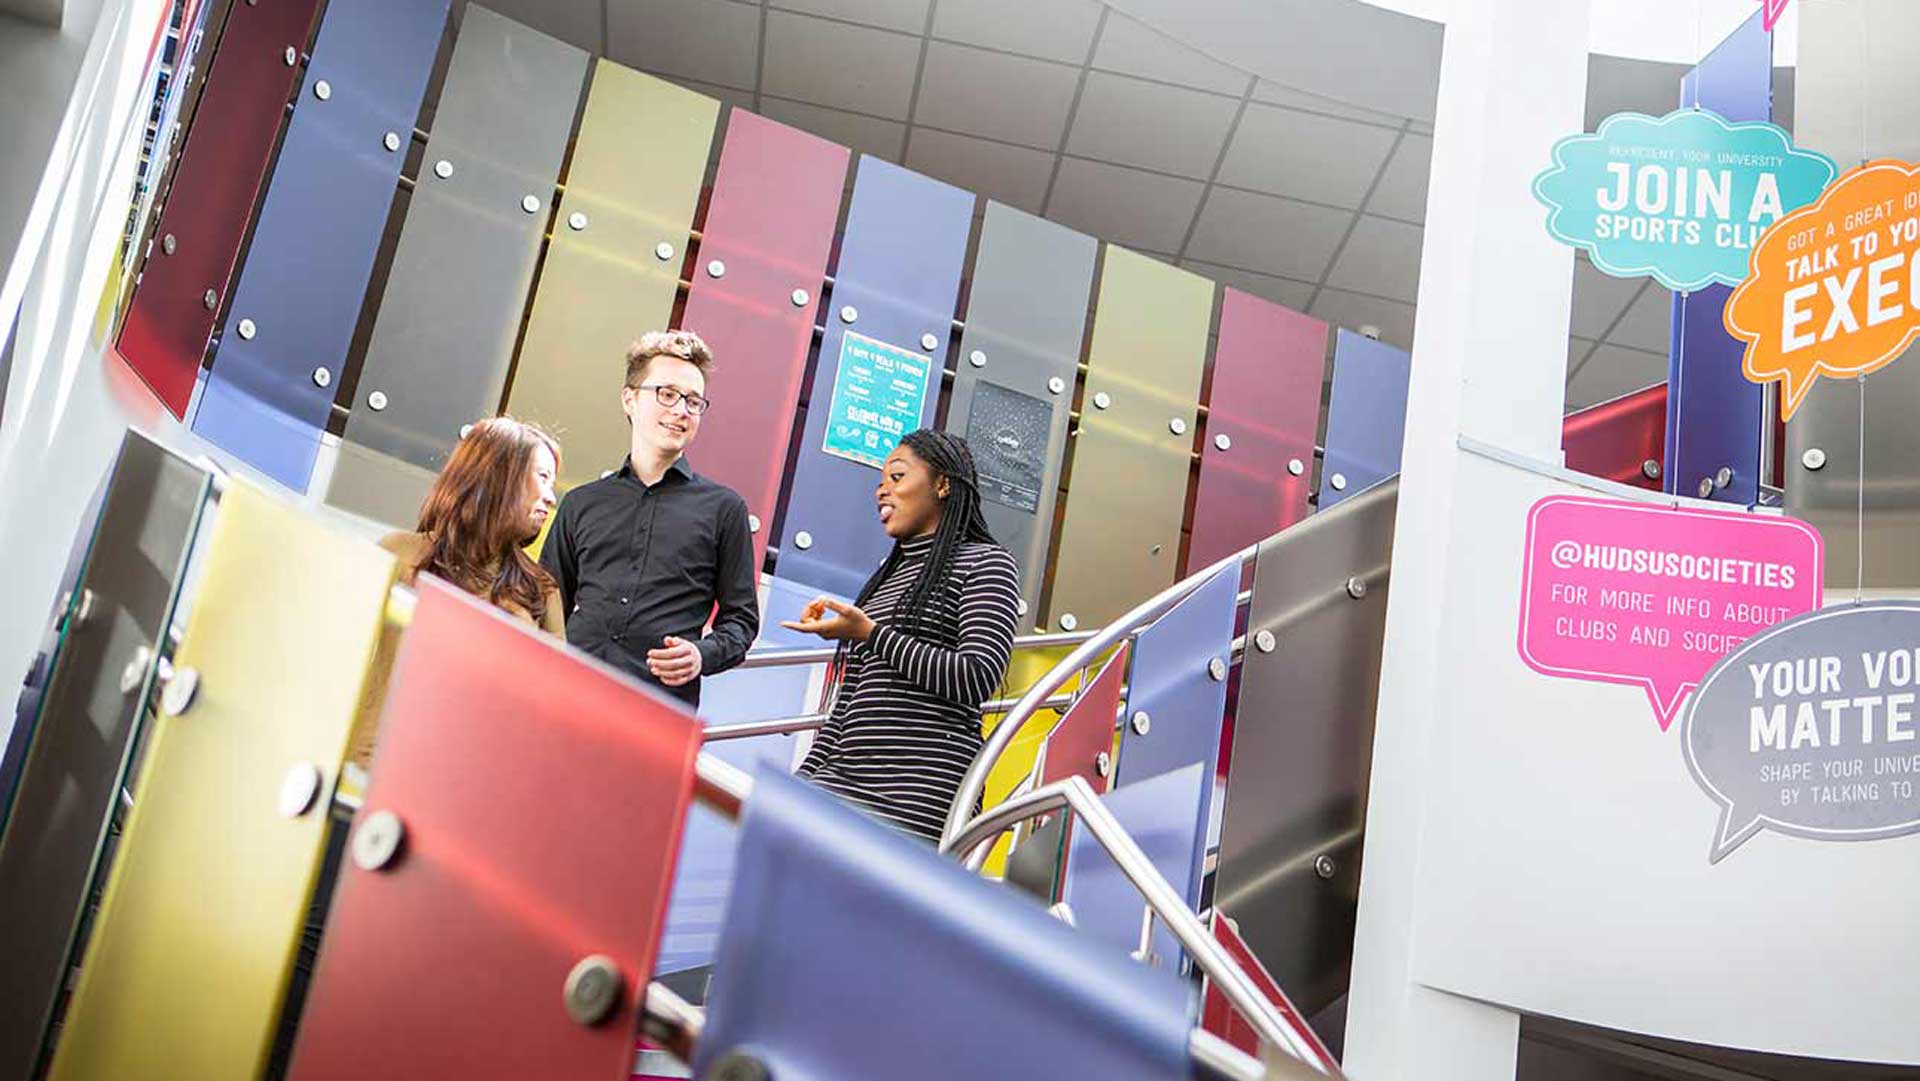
[(41, 65)]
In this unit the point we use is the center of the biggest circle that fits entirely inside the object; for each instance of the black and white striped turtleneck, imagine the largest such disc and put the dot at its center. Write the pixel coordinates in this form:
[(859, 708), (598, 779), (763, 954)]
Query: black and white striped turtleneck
[(906, 723)]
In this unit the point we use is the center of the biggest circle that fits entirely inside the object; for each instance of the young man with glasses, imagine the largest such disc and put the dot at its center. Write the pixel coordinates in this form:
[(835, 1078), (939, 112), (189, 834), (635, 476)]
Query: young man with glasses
[(645, 554)]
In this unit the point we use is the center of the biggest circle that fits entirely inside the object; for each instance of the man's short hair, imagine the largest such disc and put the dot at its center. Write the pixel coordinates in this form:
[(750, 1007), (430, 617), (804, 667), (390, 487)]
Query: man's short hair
[(684, 344)]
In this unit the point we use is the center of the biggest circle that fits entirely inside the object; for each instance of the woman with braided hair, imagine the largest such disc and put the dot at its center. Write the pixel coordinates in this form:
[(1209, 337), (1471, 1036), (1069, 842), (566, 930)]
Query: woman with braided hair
[(922, 646)]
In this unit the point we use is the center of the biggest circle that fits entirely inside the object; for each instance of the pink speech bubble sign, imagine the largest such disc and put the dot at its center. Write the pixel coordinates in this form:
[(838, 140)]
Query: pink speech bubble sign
[(1772, 12), (1653, 596)]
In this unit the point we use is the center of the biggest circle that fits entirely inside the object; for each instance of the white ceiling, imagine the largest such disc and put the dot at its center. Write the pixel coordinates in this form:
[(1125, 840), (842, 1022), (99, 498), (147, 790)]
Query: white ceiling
[(1080, 111)]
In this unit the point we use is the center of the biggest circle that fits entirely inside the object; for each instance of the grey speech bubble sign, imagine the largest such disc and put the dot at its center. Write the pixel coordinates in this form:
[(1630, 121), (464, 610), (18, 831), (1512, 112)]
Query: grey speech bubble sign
[(1812, 728)]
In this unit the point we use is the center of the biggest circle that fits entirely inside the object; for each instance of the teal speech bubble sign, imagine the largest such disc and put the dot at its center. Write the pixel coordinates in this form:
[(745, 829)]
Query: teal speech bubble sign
[(1681, 199)]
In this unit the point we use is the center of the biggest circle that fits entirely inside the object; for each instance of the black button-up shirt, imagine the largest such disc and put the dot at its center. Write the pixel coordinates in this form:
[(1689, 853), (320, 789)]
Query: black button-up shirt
[(637, 563)]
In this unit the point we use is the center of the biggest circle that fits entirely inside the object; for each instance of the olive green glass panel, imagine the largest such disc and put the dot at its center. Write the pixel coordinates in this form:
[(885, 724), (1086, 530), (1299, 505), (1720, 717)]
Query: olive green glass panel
[(1127, 489), (203, 911), (613, 265)]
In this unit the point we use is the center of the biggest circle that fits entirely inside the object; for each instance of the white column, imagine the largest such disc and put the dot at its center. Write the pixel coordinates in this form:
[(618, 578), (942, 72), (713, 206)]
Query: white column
[(1489, 360)]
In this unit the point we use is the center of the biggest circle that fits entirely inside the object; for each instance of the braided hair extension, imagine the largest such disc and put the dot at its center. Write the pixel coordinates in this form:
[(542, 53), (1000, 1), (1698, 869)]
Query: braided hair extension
[(961, 521)]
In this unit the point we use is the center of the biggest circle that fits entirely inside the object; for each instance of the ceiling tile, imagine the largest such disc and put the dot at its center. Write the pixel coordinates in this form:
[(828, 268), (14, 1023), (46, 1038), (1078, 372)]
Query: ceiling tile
[(1267, 234), (1283, 291), (1381, 257), (1287, 152), (1057, 29), (907, 15), (1598, 299), (1134, 48), (1126, 206), (1269, 92), (1351, 311), (1611, 372), (1649, 322), (864, 134), (1014, 175), (742, 99), (1402, 191), (839, 66), (1010, 98), (1117, 112), (714, 41), (576, 23)]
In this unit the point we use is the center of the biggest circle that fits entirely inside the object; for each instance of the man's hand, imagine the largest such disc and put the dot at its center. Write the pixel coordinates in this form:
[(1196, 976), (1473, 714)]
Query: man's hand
[(833, 620), (675, 663)]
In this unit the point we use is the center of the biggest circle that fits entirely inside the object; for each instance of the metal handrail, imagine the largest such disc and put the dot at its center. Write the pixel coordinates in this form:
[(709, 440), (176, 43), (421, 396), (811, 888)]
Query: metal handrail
[(1074, 794), (975, 782), (781, 658), (670, 1021), (807, 722)]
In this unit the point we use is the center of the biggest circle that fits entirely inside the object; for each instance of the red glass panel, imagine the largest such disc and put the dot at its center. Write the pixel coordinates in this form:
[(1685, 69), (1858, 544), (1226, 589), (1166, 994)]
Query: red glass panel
[(210, 204), (768, 231), (1265, 402), (1617, 439), (542, 798), (1220, 1018), (1086, 732)]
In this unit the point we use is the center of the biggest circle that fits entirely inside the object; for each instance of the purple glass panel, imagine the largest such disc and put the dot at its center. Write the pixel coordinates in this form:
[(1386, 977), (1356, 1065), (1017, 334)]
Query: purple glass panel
[(1262, 414), (826, 893), (1158, 813), (756, 286), (1366, 417), (318, 231), (705, 872), (898, 278), (1715, 415)]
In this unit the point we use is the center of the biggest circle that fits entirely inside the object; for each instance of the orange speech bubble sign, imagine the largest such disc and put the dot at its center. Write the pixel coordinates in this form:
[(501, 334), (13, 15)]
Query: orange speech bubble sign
[(1833, 288)]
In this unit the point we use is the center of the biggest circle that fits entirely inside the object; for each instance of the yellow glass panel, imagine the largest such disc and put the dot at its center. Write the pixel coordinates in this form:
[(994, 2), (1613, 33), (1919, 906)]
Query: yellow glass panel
[(203, 911), (632, 187), (1127, 493)]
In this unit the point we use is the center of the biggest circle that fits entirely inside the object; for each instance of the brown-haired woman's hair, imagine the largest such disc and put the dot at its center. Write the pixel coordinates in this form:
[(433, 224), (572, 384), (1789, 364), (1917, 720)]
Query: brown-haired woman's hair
[(475, 517)]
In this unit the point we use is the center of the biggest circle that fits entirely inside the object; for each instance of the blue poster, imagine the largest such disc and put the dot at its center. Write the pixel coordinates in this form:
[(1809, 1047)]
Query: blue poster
[(1681, 199), (879, 392)]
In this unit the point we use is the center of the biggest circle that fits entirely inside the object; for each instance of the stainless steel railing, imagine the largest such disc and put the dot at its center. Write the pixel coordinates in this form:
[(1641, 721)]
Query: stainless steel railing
[(1036, 696), (1166, 904), (676, 1025)]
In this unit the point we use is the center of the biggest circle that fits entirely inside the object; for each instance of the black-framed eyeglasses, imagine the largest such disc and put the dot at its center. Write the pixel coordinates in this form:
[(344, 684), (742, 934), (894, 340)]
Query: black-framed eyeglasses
[(670, 396)]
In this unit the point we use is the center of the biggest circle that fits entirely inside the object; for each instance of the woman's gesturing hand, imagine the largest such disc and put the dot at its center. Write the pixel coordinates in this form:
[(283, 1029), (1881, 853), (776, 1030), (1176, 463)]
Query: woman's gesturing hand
[(833, 620)]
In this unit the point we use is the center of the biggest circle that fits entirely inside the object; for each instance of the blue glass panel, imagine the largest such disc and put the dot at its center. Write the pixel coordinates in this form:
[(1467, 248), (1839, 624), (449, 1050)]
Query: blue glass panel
[(899, 276), (705, 871), (932, 970), (1172, 682), (1158, 814), (1366, 417), (318, 232), (1715, 415)]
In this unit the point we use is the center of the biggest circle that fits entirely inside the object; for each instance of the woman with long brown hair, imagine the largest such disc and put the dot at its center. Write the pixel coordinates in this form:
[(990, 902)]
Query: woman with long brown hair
[(490, 501)]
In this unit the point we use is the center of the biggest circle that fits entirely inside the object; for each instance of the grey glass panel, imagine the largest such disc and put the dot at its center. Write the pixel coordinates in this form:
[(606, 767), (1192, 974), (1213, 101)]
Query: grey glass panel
[(445, 334), (1843, 86), (1303, 743), (1026, 318), (76, 760), (1827, 432)]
